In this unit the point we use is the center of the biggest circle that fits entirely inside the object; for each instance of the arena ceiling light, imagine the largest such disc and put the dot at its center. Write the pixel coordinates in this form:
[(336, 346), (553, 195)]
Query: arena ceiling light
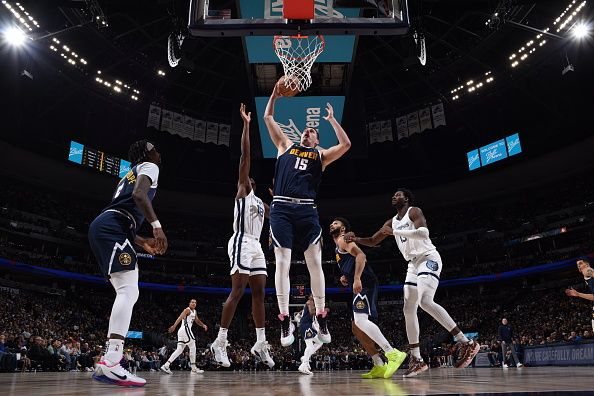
[(473, 85), (580, 30), (14, 36), (559, 25), (22, 16), (116, 85), (67, 53)]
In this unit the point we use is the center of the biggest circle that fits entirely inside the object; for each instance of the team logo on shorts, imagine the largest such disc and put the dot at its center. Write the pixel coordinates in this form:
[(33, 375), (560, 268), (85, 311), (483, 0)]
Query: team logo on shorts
[(125, 259), (360, 304), (309, 333), (432, 265)]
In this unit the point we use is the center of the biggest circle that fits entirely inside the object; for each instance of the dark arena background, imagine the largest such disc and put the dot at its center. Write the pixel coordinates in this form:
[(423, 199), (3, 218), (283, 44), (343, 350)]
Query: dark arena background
[(483, 109)]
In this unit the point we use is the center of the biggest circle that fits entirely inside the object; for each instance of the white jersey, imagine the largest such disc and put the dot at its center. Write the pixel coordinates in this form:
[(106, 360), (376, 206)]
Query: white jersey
[(410, 248), (248, 215), (189, 320)]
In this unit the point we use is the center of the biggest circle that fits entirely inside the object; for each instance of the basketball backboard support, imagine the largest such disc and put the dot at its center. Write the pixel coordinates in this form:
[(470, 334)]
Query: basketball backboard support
[(206, 21)]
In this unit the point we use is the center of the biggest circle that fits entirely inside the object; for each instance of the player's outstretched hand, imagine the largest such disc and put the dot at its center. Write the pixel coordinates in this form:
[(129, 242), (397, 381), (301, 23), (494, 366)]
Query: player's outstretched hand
[(245, 117), (349, 237), (161, 241), (357, 286), (344, 281), (276, 91), (571, 292), (330, 111), (387, 230)]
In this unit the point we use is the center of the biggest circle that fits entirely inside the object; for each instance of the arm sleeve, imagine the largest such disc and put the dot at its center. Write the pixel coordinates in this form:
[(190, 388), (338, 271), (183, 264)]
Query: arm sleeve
[(421, 233), (151, 170)]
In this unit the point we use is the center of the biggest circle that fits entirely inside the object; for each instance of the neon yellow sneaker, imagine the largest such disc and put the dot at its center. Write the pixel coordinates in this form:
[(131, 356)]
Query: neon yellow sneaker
[(395, 359), (375, 372)]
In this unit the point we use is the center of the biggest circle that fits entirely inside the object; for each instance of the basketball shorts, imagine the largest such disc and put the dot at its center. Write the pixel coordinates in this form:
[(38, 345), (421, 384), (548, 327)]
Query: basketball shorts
[(307, 328), (366, 300), (294, 226), (111, 236), (184, 334), (428, 265), (246, 255)]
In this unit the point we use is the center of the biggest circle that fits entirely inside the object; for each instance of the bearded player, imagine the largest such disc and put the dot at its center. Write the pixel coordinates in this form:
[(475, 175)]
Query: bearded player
[(409, 227), (352, 262)]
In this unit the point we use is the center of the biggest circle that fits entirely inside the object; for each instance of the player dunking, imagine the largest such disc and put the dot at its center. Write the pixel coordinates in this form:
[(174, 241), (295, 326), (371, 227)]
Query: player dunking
[(353, 265), (185, 337), (247, 261), (583, 266), (409, 227), (294, 220), (111, 235)]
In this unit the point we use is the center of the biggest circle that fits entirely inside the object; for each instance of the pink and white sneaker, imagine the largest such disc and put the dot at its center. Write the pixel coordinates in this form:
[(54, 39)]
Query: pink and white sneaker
[(116, 375)]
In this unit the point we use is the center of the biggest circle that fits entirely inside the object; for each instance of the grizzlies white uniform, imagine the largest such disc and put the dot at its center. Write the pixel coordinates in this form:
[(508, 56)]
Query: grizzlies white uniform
[(244, 249), (184, 334), (422, 256)]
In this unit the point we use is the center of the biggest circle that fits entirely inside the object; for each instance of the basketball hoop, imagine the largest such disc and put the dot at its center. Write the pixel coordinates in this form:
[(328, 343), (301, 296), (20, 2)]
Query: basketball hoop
[(297, 54)]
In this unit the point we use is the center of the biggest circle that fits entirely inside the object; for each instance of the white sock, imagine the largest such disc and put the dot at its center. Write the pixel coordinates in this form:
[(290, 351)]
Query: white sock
[(460, 337), (222, 334), (416, 352), (313, 259), (377, 360), (281, 278), (260, 334), (115, 351), (368, 327)]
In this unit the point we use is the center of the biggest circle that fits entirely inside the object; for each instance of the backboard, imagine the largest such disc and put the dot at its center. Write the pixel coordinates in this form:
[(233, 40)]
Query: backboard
[(209, 18)]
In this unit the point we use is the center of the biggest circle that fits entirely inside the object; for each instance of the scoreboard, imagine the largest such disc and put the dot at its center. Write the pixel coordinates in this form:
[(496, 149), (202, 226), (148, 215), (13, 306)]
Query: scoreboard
[(97, 159)]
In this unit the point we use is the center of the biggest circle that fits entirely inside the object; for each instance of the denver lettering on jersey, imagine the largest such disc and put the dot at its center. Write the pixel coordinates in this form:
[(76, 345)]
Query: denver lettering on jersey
[(131, 177), (304, 154)]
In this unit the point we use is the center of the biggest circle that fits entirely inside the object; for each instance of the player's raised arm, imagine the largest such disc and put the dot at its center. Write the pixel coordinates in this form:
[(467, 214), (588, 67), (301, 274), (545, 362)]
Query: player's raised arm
[(373, 240), (181, 317), (280, 140), (344, 143), (243, 184), (140, 196)]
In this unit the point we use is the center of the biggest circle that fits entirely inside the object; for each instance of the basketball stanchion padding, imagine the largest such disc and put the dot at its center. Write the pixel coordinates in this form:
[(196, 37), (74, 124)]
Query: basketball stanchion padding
[(298, 9)]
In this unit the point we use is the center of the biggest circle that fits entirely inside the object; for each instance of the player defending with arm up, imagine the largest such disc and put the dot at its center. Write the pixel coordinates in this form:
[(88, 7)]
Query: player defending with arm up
[(294, 221), (247, 261), (409, 227)]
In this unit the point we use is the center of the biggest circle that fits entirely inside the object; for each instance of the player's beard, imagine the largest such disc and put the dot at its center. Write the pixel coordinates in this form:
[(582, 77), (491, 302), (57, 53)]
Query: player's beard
[(398, 205), (335, 233)]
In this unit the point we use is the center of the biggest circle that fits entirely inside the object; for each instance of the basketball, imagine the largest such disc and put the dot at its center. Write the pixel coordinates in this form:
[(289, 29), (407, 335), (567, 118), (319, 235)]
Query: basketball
[(287, 86)]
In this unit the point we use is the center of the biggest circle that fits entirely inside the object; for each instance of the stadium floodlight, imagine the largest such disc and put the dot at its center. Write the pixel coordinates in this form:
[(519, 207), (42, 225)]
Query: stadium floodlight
[(14, 36), (581, 30)]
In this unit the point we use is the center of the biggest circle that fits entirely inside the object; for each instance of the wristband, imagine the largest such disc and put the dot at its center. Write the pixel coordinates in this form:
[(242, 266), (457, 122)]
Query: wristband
[(156, 224)]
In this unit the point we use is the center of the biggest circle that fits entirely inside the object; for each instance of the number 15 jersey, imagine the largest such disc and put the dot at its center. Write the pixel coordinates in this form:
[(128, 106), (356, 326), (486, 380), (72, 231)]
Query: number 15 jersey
[(298, 172)]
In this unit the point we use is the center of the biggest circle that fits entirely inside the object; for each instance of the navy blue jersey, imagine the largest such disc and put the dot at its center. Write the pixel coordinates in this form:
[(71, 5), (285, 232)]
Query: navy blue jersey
[(346, 264), (298, 173), (122, 198), (590, 285)]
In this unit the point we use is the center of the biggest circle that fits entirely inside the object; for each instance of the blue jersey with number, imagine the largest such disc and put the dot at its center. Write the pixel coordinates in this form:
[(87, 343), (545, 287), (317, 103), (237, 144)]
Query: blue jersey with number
[(122, 198), (346, 264), (298, 172)]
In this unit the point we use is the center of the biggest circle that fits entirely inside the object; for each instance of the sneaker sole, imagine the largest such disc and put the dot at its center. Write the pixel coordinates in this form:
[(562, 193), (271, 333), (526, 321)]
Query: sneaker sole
[(165, 371), (106, 380), (467, 362), (415, 373), (288, 343)]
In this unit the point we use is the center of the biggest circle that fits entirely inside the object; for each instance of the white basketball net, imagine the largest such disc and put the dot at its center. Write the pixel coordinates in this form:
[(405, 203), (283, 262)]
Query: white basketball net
[(297, 54)]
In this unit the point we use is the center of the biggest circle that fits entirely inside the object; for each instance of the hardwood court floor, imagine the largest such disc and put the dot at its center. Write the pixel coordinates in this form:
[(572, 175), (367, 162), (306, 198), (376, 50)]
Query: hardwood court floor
[(436, 381)]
